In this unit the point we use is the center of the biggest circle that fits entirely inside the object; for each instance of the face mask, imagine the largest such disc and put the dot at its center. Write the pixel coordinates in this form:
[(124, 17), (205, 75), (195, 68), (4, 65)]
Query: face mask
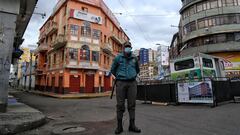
[(127, 50)]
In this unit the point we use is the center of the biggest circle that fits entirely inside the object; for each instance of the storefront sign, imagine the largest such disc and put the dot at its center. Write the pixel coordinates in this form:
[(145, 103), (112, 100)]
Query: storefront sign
[(73, 72), (195, 92), (90, 72), (78, 14), (85, 64)]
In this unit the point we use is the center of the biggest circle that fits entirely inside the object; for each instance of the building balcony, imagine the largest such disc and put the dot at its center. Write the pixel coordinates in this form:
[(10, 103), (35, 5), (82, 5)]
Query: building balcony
[(39, 70), (210, 13), (107, 48), (59, 41), (42, 36), (41, 48), (210, 31), (118, 40), (213, 48), (188, 3), (52, 28)]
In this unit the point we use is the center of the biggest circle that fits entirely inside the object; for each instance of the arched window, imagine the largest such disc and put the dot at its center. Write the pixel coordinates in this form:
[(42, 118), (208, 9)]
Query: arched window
[(85, 53)]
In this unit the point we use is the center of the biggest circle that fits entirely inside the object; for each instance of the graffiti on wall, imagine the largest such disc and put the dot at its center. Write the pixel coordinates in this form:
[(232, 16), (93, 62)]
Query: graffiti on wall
[(1, 32), (4, 64)]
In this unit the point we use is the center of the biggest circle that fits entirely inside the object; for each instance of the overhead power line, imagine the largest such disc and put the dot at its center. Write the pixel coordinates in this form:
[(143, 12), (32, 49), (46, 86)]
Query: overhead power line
[(147, 15), (145, 36)]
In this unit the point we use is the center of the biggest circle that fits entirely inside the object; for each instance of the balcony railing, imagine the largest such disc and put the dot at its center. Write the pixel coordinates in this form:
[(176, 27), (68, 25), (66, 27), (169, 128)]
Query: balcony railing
[(42, 36), (107, 48), (41, 48), (59, 41), (115, 38), (52, 28)]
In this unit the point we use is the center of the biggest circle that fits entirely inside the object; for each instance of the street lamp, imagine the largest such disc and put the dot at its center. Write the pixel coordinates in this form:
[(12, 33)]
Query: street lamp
[(174, 26), (43, 15), (161, 44), (118, 13)]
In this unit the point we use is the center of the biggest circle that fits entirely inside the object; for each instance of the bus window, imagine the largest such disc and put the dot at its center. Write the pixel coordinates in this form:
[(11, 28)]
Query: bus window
[(222, 65), (207, 63), (186, 64)]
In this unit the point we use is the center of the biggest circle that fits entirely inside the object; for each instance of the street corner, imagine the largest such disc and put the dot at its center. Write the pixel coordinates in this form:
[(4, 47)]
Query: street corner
[(20, 117)]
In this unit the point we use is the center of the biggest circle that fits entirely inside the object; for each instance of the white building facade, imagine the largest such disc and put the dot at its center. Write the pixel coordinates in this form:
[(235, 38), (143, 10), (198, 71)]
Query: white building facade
[(163, 61)]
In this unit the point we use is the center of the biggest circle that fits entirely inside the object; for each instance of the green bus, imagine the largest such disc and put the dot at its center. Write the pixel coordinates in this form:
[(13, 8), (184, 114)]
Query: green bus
[(197, 66)]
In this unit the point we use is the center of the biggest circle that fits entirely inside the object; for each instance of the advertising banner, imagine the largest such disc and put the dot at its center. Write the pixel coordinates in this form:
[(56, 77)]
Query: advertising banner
[(195, 92), (78, 14), (231, 63)]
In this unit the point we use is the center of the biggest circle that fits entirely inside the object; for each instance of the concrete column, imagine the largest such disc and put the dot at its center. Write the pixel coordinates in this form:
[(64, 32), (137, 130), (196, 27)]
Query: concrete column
[(7, 33)]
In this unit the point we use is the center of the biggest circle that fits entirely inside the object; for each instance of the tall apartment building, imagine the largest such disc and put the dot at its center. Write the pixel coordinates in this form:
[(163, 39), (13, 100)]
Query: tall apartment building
[(148, 67), (148, 72), (143, 56), (146, 55), (136, 53), (76, 47), (212, 27), (152, 55)]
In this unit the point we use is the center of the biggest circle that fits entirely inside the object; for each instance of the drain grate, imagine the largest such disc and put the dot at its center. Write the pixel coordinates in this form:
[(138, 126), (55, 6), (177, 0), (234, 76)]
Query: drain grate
[(67, 130), (73, 129)]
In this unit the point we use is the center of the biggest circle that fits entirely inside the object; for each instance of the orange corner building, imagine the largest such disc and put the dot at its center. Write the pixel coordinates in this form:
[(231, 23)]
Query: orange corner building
[(76, 47)]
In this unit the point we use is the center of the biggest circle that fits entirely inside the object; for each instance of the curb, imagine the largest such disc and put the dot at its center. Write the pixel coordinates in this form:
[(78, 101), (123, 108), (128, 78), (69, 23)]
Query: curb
[(10, 128), (71, 96)]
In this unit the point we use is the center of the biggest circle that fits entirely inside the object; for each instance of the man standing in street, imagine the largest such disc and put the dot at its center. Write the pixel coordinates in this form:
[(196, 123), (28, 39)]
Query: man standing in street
[(125, 68)]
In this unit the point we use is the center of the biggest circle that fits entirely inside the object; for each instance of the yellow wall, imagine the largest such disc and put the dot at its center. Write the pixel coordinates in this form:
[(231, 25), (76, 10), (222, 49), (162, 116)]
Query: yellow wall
[(232, 60)]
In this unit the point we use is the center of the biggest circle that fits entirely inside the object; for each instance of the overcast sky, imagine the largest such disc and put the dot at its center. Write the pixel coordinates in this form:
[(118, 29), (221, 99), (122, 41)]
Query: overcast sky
[(146, 22)]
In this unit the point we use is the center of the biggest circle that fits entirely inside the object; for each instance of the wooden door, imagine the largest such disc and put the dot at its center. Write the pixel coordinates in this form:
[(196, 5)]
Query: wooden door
[(89, 83), (53, 84), (74, 84), (60, 84), (107, 83)]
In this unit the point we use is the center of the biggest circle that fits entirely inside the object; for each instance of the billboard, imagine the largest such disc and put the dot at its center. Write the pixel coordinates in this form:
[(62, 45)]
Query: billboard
[(164, 54), (79, 14), (231, 63), (195, 92)]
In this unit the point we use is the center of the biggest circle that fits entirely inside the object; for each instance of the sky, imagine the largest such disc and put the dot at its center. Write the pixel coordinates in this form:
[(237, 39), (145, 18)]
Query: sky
[(146, 22)]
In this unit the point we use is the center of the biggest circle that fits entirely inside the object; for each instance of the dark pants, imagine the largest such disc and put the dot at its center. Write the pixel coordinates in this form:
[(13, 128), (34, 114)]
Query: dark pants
[(126, 90)]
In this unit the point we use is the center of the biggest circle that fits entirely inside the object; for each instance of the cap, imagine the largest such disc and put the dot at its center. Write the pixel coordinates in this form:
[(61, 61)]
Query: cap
[(127, 44)]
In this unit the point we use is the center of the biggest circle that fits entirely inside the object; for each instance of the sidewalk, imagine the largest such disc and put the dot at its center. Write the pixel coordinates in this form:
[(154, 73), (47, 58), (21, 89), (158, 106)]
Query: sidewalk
[(19, 117), (71, 96)]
